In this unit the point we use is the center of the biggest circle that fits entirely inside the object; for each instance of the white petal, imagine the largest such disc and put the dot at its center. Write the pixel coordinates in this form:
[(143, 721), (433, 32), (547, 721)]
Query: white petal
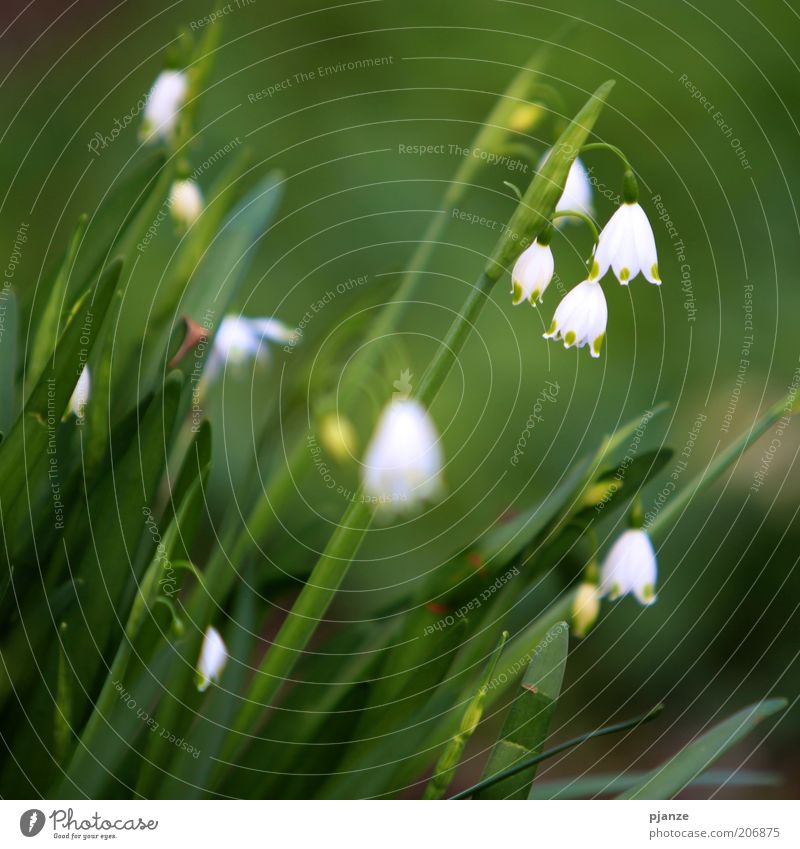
[(577, 194), (630, 567), (403, 462), (185, 202), (627, 245), (612, 236), (164, 104), (275, 331), (213, 657), (80, 395), (581, 317), (645, 246), (532, 273)]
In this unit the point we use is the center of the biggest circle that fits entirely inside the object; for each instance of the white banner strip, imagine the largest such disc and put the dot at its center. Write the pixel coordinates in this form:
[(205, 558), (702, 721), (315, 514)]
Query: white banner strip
[(405, 825)]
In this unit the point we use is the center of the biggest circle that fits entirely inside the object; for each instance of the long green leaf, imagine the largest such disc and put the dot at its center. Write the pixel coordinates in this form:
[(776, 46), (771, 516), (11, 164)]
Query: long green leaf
[(111, 222), (666, 781), (8, 357), (24, 448), (112, 727), (48, 326), (526, 763), (609, 784), (528, 722)]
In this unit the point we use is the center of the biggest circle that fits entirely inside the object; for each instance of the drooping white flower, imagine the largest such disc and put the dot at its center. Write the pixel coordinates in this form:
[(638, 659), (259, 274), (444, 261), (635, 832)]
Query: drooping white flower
[(577, 194), (627, 245), (239, 340), (212, 660), (580, 319), (630, 567), (80, 395), (164, 104), (185, 202), (585, 608), (403, 462), (532, 273)]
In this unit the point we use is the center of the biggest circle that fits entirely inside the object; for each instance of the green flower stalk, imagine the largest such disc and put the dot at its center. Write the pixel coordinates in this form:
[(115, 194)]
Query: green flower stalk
[(531, 216)]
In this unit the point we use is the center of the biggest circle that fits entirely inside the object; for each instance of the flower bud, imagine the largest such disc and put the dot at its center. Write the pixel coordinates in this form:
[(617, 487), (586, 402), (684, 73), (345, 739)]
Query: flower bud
[(80, 395), (585, 608), (185, 203), (338, 437), (213, 657), (164, 104)]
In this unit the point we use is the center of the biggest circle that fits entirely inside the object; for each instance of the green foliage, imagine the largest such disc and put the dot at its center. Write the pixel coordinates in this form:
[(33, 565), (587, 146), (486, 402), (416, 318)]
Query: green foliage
[(667, 780), (528, 721), (114, 564)]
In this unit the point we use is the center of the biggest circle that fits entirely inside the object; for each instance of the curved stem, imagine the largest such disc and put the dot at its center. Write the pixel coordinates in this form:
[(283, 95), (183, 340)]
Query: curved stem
[(610, 147), (573, 213)]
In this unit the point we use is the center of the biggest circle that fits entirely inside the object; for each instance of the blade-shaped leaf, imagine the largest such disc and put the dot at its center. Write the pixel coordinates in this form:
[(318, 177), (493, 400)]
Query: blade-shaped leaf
[(48, 325), (609, 784), (8, 358), (24, 448), (667, 780), (526, 728)]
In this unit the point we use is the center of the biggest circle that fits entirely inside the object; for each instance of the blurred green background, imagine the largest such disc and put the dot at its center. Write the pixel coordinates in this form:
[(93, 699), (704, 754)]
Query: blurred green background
[(705, 107)]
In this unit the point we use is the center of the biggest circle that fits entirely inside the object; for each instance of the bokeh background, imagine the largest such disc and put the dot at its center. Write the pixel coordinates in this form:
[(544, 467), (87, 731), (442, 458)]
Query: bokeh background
[(705, 106)]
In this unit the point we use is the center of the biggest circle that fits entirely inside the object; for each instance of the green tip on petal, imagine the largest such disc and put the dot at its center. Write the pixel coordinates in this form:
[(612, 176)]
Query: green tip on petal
[(595, 270), (552, 330), (654, 272), (624, 274), (615, 592), (536, 294), (517, 293), (598, 344), (649, 593), (569, 339)]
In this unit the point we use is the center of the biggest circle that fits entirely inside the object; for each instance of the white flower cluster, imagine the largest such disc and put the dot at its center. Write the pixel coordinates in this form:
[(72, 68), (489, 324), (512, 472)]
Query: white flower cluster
[(626, 245)]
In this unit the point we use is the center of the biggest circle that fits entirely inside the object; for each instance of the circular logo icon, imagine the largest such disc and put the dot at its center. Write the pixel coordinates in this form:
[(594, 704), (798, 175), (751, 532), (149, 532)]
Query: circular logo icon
[(31, 822)]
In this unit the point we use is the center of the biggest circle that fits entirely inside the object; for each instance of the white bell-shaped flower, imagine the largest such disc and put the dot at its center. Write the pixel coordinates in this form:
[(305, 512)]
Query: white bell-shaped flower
[(213, 657), (403, 463), (630, 567), (239, 340), (532, 273), (581, 317), (80, 395), (185, 202), (627, 245), (164, 104), (577, 194)]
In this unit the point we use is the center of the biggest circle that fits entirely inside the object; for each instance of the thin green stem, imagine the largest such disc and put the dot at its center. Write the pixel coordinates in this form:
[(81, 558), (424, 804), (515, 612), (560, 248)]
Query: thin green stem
[(609, 147), (573, 213), (562, 747), (307, 611)]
